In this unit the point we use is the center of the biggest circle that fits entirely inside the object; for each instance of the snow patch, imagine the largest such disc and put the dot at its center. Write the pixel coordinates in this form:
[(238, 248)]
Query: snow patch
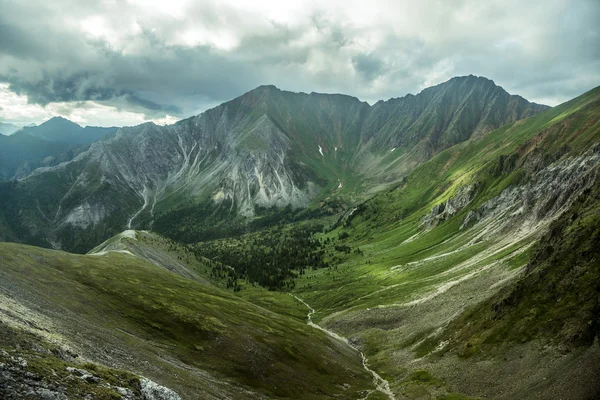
[(219, 196), (320, 150)]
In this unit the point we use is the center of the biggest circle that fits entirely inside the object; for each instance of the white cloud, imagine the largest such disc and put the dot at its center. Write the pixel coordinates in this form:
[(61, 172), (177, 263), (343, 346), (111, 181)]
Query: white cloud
[(155, 59), (15, 109)]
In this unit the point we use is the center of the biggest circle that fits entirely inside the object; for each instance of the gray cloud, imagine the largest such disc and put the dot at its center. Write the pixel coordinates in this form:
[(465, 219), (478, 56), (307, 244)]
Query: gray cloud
[(141, 62), (368, 65)]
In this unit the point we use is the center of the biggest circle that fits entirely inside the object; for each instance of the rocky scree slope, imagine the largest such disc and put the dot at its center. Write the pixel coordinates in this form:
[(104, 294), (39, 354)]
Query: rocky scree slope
[(32, 368), (554, 300)]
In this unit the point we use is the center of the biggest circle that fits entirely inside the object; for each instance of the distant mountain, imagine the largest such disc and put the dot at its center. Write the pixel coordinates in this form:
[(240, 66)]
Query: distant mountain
[(59, 129), (267, 148), (8, 129), (56, 140)]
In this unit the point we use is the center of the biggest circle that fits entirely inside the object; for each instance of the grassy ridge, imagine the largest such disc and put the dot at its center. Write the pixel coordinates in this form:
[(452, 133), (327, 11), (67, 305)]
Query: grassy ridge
[(197, 325)]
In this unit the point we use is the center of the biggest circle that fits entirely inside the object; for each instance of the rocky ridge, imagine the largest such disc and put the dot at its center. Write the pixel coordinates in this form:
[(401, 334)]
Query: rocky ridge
[(267, 148)]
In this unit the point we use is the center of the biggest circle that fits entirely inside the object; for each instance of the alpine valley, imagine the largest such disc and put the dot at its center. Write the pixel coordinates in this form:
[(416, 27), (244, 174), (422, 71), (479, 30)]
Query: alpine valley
[(444, 245)]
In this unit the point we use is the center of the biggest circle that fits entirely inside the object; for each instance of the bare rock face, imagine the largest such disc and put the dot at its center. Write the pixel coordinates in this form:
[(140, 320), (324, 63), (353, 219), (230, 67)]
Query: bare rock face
[(19, 379), (153, 391), (546, 195), (32, 368), (450, 207)]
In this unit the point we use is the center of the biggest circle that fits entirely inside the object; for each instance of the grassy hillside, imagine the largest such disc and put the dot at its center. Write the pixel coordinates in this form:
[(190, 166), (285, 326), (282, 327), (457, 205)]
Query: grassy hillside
[(475, 276), (411, 279), (125, 312), (388, 228)]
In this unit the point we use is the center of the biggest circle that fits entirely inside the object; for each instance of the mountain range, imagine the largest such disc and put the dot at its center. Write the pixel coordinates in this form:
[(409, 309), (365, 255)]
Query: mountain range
[(56, 140), (267, 148), (309, 246), (8, 129)]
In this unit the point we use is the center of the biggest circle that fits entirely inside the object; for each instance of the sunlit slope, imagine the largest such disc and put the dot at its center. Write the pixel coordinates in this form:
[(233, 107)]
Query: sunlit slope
[(123, 311), (390, 228), (455, 232), (555, 301)]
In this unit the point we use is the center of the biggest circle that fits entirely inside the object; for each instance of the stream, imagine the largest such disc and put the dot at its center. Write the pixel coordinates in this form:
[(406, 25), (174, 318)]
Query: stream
[(381, 384)]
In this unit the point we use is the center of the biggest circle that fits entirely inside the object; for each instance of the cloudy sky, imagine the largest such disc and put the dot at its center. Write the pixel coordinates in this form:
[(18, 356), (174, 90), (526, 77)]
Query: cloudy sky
[(122, 62)]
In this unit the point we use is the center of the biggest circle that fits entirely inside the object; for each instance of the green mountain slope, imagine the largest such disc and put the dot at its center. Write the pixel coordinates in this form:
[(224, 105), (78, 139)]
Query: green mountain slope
[(555, 302), (455, 232), (466, 267), (123, 311)]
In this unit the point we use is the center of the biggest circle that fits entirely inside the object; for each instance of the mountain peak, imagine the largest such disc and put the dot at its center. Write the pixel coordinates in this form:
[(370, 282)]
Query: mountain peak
[(461, 85), (468, 80), (469, 77), (267, 87), (262, 89), (8, 128), (60, 121), (60, 129)]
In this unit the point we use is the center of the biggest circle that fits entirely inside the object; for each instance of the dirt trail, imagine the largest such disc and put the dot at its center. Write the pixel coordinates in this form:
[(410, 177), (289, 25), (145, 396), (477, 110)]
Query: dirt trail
[(381, 384)]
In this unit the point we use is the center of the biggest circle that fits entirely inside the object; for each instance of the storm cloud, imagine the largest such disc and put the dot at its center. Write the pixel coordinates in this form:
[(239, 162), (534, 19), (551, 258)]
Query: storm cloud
[(178, 58)]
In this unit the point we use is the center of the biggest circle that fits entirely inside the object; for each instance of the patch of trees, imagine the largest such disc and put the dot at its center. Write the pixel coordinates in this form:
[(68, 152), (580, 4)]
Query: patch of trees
[(272, 258), (209, 221), (205, 221)]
